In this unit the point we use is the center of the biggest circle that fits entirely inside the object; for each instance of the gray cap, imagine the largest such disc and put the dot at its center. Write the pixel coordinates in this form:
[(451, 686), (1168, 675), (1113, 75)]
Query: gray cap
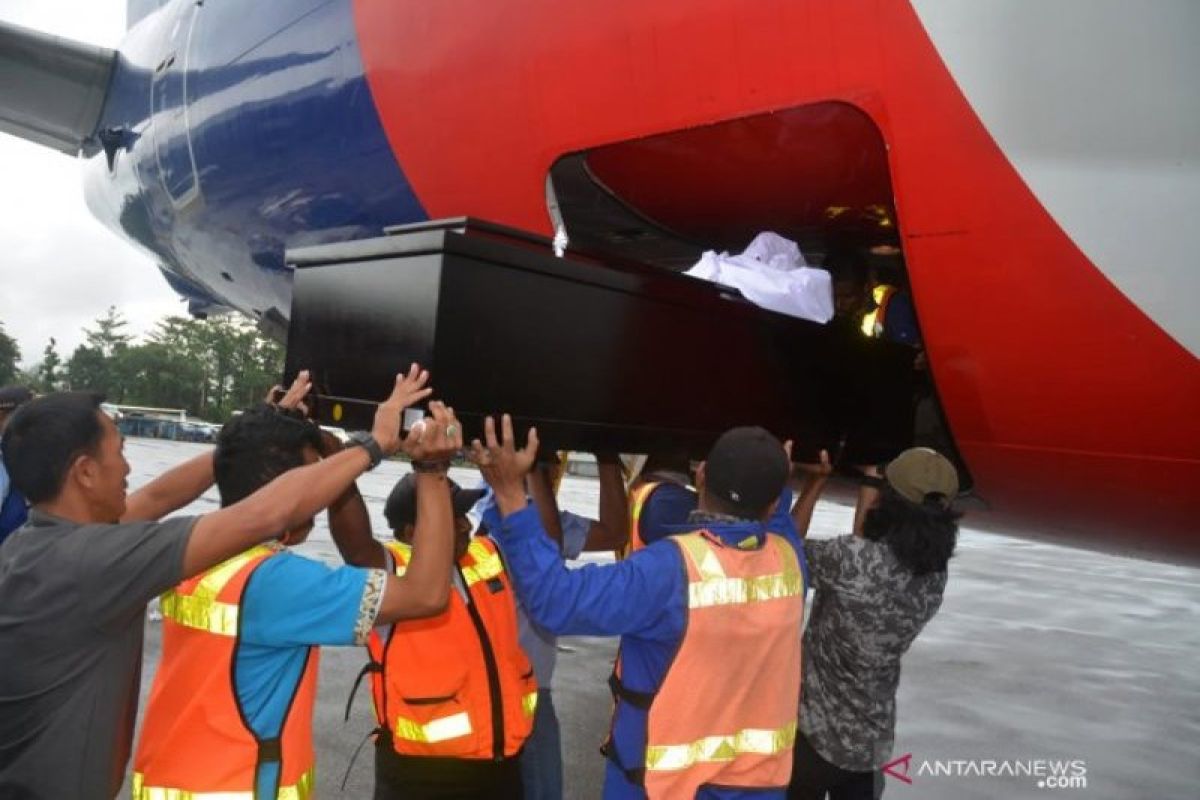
[(920, 471)]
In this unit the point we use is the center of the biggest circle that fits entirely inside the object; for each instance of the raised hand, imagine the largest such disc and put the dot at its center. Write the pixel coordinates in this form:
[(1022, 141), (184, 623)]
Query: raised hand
[(435, 439), (293, 398), (409, 389), (820, 470), (503, 466)]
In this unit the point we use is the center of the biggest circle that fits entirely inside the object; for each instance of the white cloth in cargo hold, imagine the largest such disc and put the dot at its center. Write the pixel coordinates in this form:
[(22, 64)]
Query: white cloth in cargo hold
[(772, 274)]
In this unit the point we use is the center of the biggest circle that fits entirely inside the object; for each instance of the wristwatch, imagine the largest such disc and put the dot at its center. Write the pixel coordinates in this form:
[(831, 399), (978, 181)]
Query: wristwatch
[(367, 442)]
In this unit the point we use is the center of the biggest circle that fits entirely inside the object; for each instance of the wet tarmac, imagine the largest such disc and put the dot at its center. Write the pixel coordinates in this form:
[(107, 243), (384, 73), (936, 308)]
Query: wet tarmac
[(1040, 654)]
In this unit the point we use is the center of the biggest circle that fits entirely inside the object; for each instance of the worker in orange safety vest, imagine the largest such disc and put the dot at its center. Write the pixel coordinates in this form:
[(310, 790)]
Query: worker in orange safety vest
[(230, 711), (454, 695), (708, 680)]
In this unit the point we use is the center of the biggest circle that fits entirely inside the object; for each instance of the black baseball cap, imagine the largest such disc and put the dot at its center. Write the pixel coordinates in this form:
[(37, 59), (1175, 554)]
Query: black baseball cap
[(401, 506), (747, 468), (13, 396)]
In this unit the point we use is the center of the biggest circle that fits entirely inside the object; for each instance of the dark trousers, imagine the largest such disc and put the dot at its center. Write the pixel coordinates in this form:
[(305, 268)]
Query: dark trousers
[(400, 777), (813, 778)]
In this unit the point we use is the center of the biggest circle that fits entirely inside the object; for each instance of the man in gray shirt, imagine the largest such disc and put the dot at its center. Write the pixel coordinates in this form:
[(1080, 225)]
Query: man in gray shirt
[(74, 581), (874, 594)]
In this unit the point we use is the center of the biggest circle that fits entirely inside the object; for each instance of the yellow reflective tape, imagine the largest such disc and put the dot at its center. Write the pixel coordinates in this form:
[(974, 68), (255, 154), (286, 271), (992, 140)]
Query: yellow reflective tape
[(487, 564), (200, 609), (702, 555), (787, 555), (529, 703), (140, 791), (215, 579), (640, 496), (201, 613), (438, 730), (718, 749), (730, 591), (401, 555)]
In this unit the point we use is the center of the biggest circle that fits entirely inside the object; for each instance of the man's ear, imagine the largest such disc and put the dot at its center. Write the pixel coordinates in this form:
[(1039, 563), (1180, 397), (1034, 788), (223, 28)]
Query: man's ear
[(84, 471)]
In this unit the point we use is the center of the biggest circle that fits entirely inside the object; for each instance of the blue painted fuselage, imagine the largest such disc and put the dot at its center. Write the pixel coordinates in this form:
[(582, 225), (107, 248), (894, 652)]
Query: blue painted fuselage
[(243, 129)]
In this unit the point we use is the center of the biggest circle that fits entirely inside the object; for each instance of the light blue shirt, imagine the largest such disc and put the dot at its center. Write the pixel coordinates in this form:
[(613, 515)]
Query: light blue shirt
[(290, 604)]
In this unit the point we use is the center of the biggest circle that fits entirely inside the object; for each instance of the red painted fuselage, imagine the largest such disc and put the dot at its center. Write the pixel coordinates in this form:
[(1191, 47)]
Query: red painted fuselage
[(1070, 382)]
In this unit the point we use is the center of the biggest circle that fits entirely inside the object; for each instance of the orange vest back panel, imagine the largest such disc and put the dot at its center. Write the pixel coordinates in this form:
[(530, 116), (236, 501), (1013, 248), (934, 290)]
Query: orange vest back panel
[(726, 711), (442, 676), (639, 496), (637, 501), (193, 739)]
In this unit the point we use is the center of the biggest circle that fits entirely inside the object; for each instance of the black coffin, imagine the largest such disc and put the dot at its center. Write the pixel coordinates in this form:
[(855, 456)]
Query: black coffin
[(600, 356)]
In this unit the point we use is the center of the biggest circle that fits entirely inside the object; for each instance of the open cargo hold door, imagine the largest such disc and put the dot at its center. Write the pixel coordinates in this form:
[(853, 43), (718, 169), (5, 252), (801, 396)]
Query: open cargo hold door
[(817, 174), (600, 353)]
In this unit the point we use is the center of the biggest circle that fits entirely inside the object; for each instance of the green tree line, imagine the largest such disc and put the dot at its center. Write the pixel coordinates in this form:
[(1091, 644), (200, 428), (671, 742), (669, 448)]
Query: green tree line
[(209, 367)]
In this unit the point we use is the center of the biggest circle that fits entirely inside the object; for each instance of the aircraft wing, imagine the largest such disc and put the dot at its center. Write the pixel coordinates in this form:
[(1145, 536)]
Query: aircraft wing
[(52, 89)]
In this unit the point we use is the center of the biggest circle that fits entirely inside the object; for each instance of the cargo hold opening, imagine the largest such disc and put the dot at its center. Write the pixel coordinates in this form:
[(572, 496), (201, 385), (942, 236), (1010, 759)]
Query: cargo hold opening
[(816, 174)]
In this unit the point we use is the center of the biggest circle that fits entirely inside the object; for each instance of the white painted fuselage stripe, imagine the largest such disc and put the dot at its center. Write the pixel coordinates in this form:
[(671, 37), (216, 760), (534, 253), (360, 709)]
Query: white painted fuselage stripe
[(1095, 104)]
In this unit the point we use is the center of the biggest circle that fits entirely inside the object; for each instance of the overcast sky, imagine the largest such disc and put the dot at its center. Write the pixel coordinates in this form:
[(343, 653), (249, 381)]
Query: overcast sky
[(60, 267)]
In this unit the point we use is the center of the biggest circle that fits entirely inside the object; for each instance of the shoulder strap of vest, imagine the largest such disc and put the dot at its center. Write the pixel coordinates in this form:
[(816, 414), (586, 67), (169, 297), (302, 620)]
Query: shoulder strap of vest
[(401, 552), (637, 499), (699, 551), (695, 547), (635, 776), (787, 553), (270, 748), (639, 700), (486, 563), (198, 607)]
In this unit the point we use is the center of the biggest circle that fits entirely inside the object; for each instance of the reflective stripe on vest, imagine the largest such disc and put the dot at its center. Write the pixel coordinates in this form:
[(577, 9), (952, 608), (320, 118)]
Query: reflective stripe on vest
[(201, 609), (438, 730), (302, 790), (637, 502), (716, 749), (487, 564), (529, 703), (714, 589), (451, 727), (872, 321)]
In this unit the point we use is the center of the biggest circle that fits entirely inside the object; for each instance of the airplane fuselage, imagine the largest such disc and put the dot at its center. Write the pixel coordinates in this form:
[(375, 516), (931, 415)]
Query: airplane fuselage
[(1035, 164)]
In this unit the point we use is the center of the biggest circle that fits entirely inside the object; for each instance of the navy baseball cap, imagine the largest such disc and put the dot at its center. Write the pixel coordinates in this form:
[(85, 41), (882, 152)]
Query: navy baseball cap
[(747, 468), (401, 506)]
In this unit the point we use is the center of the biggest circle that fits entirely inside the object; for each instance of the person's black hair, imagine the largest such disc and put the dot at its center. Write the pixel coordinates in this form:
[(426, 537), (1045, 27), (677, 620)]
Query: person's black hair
[(922, 537), (257, 446), (45, 436)]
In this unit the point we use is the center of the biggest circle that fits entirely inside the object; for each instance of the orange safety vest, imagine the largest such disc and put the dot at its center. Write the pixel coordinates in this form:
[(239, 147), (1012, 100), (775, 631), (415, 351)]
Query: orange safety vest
[(719, 720), (195, 743), (872, 321), (638, 497), (458, 684)]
